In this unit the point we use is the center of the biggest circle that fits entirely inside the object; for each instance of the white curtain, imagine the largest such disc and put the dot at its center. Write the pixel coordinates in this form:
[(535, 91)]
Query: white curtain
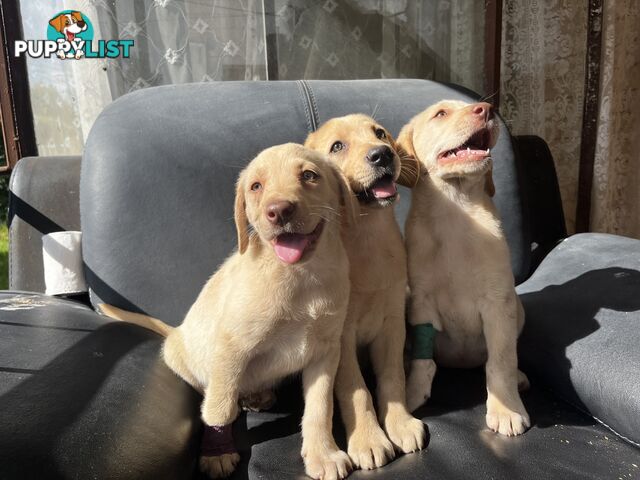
[(178, 41)]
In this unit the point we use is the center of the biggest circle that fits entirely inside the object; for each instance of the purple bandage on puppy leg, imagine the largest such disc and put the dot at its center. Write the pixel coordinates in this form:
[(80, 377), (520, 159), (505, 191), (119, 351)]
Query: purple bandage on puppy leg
[(217, 440)]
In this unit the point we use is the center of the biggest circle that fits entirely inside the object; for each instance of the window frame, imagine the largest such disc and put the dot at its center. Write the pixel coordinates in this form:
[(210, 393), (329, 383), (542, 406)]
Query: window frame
[(16, 115)]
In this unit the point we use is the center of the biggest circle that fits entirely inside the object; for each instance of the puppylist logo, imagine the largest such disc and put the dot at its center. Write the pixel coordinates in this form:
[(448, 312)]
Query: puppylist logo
[(70, 36)]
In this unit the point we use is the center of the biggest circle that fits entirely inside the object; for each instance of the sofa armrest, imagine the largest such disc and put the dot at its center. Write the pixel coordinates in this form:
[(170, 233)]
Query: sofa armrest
[(546, 216), (582, 327), (43, 198)]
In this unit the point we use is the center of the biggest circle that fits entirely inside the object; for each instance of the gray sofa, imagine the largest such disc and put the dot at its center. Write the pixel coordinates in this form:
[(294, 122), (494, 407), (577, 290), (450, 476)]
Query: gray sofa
[(83, 397)]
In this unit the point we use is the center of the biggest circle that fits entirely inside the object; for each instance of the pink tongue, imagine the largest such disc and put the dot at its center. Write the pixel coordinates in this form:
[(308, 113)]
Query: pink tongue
[(289, 247), (384, 189)]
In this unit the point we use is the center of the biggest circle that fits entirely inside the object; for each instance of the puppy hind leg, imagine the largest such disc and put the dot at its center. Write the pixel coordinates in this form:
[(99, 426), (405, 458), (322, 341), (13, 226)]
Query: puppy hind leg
[(174, 357), (259, 401), (408, 434)]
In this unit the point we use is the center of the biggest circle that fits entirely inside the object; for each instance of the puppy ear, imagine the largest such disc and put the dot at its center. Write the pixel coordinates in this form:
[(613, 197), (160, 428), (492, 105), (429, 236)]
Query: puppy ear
[(311, 141), (489, 187), (348, 201), (409, 164), (240, 216), (57, 23), (405, 140), (77, 16)]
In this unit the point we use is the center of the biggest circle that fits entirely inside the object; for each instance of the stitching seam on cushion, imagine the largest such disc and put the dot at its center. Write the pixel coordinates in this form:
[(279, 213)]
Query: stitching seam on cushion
[(309, 106), (627, 439), (305, 102), (588, 414), (314, 105)]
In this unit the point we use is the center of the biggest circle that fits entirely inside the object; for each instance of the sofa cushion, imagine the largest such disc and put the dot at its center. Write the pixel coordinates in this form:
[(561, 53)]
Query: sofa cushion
[(562, 443), (160, 165), (582, 329), (83, 396)]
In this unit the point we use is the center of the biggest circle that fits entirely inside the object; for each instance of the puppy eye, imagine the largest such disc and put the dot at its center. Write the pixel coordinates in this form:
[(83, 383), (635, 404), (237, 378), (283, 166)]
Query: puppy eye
[(441, 113), (380, 134), (309, 176), (336, 147), (256, 186)]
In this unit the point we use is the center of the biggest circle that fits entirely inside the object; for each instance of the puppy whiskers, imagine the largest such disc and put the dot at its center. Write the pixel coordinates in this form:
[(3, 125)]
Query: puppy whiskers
[(323, 217)]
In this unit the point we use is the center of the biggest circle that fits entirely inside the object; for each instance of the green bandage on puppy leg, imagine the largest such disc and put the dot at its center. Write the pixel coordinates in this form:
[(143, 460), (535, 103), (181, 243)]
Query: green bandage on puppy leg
[(422, 341)]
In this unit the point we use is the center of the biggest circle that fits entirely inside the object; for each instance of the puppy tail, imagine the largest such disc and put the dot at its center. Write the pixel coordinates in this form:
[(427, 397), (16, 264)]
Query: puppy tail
[(139, 319)]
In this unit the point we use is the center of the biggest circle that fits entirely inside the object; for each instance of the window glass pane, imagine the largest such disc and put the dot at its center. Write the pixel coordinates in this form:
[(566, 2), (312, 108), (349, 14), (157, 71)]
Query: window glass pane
[(178, 41)]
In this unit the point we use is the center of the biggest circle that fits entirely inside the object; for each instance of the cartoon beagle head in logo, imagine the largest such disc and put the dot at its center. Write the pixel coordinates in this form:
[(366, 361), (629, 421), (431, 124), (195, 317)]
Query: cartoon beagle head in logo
[(69, 24)]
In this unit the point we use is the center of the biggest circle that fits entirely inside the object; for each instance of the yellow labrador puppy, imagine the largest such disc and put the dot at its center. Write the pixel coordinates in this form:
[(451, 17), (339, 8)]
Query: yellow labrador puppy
[(275, 307), (365, 152), (459, 271)]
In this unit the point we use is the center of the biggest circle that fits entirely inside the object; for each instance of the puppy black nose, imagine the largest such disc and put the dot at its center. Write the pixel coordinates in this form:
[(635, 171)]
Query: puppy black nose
[(381, 156), (280, 212), (81, 23), (483, 109)]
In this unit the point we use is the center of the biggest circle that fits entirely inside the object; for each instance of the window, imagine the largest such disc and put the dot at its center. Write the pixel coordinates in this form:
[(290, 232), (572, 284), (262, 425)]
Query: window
[(178, 41)]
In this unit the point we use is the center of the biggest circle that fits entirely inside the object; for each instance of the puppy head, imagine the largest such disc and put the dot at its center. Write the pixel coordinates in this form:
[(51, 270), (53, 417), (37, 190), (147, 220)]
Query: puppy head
[(366, 154), (69, 24), (453, 139), (289, 195)]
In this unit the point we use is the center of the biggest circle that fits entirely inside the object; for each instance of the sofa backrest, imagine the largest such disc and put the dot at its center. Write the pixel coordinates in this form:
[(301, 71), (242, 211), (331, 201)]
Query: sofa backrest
[(160, 164)]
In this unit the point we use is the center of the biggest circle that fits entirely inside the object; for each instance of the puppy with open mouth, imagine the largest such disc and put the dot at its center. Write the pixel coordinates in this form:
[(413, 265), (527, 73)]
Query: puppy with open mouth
[(275, 307), (462, 286), (366, 154)]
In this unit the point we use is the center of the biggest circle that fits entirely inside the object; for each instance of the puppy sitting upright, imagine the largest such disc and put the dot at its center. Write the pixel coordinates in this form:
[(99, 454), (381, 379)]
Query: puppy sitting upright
[(459, 271), (275, 307), (376, 316)]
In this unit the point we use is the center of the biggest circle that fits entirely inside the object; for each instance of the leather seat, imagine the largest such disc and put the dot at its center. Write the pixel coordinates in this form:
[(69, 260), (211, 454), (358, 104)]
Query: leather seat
[(82, 396)]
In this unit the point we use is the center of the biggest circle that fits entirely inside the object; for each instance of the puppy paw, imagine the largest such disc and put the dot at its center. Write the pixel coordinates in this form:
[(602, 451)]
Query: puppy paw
[(79, 54), (61, 55), (326, 464), (219, 466), (407, 433), (419, 383), (370, 448), (507, 422), (258, 402), (523, 381)]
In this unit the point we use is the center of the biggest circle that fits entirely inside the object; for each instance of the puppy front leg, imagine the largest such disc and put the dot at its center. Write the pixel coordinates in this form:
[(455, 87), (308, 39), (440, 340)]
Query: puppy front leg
[(505, 412), (322, 457), (423, 369), (368, 446), (405, 432), (219, 410)]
